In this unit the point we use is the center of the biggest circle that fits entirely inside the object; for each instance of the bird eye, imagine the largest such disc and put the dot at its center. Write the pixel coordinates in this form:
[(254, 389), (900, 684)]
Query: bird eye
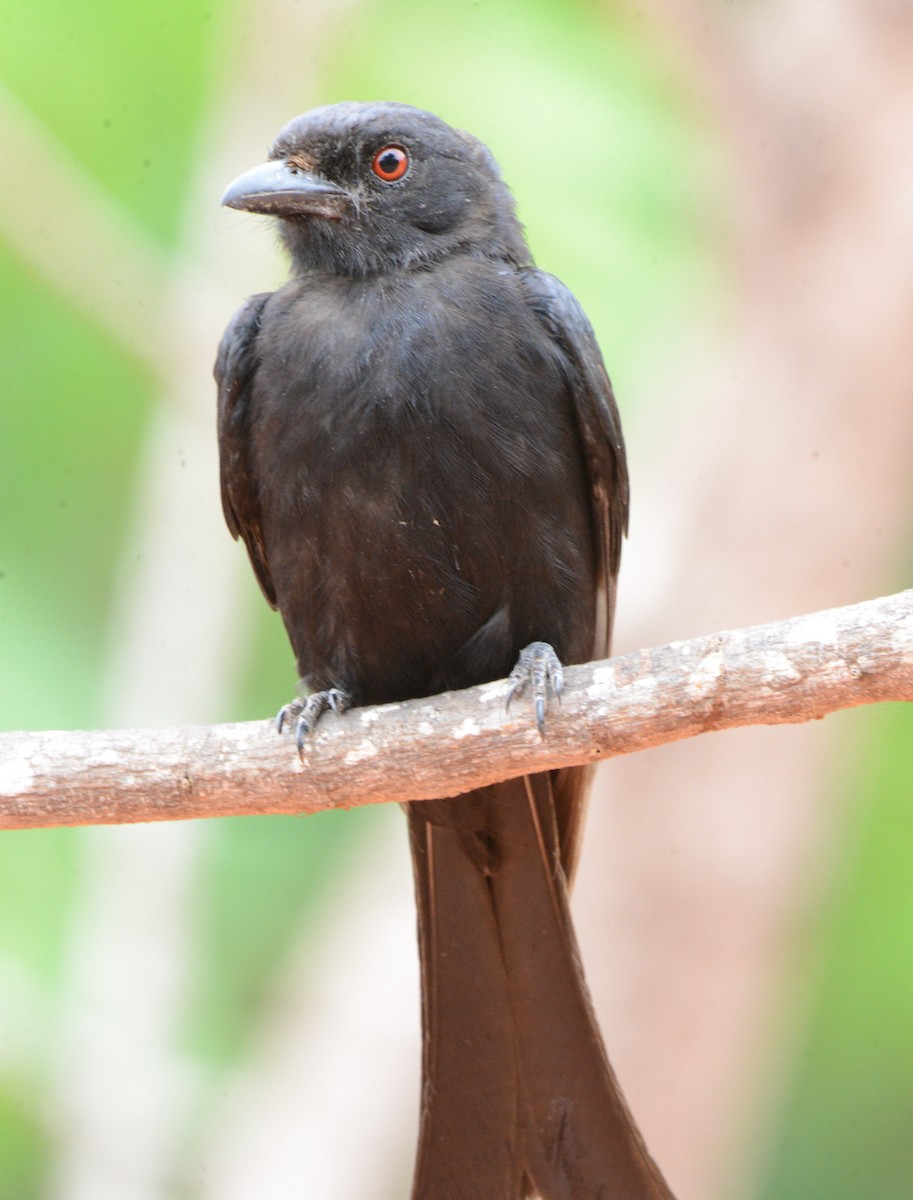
[(390, 163)]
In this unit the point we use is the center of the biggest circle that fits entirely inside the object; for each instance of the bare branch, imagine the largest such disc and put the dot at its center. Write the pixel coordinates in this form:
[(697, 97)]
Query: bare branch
[(786, 672)]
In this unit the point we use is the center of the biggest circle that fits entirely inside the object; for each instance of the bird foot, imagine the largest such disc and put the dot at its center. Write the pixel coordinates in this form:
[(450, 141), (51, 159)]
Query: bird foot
[(306, 711), (539, 666)]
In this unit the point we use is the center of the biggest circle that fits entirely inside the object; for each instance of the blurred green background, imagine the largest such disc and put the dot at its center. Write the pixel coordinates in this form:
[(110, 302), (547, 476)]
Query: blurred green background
[(118, 129)]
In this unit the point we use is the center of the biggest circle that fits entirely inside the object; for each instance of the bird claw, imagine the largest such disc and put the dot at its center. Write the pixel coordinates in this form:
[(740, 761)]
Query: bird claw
[(539, 666), (306, 711)]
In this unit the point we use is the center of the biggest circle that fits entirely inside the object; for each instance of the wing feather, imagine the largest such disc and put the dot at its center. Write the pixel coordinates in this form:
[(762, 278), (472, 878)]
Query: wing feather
[(600, 434), (598, 422), (235, 369)]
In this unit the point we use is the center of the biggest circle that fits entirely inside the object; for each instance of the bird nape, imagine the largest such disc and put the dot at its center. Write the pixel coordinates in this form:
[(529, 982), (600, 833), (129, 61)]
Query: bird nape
[(420, 448)]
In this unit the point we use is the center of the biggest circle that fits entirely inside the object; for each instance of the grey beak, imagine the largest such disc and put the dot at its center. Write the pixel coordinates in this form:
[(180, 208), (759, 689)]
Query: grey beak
[(282, 189)]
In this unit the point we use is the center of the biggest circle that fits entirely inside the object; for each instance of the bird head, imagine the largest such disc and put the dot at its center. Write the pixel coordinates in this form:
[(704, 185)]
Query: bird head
[(367, 188)]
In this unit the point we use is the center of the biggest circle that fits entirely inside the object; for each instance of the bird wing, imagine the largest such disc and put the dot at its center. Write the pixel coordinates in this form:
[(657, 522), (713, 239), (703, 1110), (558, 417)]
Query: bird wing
[(236, 365), (599, 425), (600, 434)]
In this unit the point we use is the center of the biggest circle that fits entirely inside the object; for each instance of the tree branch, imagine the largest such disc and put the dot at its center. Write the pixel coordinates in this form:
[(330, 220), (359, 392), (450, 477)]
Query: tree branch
[(782, 673)]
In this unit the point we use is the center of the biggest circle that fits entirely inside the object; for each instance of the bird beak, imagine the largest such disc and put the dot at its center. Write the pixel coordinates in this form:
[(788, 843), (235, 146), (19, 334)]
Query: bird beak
[(283, 189)]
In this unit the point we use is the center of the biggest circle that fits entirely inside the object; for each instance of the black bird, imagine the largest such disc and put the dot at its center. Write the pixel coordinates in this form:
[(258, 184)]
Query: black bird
[(421, 450)]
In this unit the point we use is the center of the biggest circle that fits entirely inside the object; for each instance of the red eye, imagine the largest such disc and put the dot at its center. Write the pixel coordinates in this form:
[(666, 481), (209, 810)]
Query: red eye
[(390, 163)]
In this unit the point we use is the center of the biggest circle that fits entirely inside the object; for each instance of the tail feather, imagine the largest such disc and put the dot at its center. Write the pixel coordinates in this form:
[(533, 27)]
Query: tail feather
[(470, 1122), (518, 1094)]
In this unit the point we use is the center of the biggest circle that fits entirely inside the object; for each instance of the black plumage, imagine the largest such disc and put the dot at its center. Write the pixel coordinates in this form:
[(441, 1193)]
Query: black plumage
[(420, 448)]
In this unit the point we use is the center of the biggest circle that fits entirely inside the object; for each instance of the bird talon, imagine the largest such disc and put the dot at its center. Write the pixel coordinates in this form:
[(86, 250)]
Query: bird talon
[(302, 732), (306, 711), (539, 666), (339, 701), (288, 713)]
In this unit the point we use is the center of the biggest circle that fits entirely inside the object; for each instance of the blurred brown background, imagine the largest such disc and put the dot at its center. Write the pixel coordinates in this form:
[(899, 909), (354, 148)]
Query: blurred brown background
[(221, 1010)]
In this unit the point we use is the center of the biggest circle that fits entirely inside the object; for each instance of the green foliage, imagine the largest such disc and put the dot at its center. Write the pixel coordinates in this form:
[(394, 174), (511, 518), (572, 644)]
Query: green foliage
[(121, 86), (25, 1146), (76, 407), (122, 89), (37, 877), (615, 177), (263, 877), (845, 1131)]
